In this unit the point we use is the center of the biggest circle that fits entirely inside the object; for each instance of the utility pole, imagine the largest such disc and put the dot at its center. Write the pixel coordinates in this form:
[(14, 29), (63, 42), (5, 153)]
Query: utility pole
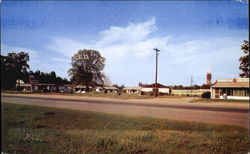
[(191, 85), (156, 70)]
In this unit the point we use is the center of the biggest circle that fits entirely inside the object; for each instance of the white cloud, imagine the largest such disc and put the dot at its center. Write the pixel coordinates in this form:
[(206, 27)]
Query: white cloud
[(66, 46), (132, 33), (115, 42)]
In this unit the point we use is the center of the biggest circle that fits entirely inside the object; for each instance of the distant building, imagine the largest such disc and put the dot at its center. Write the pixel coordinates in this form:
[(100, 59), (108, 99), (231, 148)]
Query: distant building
[(46, 87), (65, 88), (131, 90), (148, 88), (39, 87), (98, 89), (235, 88), (82, 88), (209, 78), (34, 83), (35, 86), (25, 87), (110, 89)]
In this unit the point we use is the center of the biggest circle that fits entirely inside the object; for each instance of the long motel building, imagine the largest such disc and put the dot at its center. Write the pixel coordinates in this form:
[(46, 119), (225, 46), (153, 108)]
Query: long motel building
[(234, 88)]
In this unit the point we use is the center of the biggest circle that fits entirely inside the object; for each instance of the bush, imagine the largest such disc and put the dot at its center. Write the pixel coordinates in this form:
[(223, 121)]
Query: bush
[(206, 95)]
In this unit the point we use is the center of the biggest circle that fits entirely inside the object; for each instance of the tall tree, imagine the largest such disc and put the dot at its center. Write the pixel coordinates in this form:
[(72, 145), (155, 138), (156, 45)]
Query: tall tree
[(13, 66), (86, 68), (52, 77), (244, 60)]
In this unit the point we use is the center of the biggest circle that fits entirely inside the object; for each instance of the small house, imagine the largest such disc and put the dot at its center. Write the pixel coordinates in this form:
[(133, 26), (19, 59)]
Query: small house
[(132, 90), (65, 88), (110, 89), (82, 88)]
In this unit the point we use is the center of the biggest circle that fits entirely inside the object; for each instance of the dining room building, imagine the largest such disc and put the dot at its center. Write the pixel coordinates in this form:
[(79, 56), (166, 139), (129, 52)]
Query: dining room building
[(234, 88)]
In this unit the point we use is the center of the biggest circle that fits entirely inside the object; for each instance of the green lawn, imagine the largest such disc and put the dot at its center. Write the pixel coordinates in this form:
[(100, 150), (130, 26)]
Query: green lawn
[(30, 129)]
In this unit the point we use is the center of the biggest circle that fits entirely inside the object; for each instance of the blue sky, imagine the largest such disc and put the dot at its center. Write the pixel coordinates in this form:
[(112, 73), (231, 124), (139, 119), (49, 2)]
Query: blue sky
[(194, 37)]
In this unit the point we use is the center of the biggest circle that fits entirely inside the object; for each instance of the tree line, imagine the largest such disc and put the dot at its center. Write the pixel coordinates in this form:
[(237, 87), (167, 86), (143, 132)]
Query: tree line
[(49, 78), (14, 66)]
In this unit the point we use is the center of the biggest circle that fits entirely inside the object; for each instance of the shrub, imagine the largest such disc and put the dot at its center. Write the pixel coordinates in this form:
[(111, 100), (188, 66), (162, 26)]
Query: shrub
[(206, 95)]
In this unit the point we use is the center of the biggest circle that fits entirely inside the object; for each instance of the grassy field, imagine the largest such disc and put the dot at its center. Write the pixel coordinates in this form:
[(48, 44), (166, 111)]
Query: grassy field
[(30, 129)]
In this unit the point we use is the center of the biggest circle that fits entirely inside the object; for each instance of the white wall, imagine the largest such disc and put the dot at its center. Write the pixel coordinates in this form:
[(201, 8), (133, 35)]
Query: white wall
[(238, 97), (146, 89), (164, 90)]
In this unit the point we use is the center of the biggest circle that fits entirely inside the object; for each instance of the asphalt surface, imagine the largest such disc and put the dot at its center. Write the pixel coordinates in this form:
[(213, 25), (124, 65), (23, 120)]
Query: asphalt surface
[(185, 111), (113, 102)]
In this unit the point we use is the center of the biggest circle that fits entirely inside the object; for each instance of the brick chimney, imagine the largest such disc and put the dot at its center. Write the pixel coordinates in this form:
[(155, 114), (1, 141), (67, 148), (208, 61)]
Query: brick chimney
[(209, 78)]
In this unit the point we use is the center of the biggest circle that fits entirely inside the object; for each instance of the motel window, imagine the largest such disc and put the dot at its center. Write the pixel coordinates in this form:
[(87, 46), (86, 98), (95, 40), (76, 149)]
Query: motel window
[(227, 91), (247, 92), (240, 92)]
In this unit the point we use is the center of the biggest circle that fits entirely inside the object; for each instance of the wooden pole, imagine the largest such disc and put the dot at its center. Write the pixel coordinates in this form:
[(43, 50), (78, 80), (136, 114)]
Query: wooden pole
[(156, 70)]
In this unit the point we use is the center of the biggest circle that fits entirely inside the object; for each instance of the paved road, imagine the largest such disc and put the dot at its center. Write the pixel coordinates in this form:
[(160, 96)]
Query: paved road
[(178, 111)]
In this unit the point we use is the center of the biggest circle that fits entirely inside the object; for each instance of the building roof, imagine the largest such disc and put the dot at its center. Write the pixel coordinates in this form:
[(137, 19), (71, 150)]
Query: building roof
[(82, 86), (98, 87), (46, 84), (158, 85), (112, 88), (232, 83), (131, 88), (39, 84), (24, 84), (68, 85)]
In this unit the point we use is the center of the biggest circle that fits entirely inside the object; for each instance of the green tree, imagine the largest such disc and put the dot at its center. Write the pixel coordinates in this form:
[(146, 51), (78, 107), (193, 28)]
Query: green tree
[(13, 66), (196, 86), (86, 68), (53, 78), (178, 87), (244, 60), (205, 86), (49, 78), (115, 85)]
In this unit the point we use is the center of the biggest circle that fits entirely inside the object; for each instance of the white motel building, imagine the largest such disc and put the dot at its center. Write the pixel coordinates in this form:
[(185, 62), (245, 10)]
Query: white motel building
[(235, 88)]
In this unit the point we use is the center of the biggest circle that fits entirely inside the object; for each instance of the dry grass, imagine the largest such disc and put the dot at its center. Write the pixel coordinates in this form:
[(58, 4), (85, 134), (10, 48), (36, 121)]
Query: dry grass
[(30, 129)]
